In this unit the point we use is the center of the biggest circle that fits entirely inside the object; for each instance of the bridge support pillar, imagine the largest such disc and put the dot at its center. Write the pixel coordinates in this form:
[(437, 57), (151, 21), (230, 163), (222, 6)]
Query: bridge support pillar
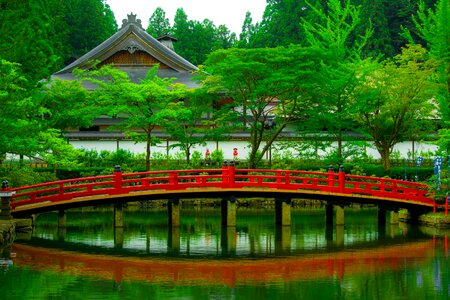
[(118, 237), (283, 211), (329, 211), (394, 218), (282, 239), (228, 210), (340, 220), (118, 214), (381, 216), (173, 241), (340, 235), (228, 239), (62, 218), (174, 212)]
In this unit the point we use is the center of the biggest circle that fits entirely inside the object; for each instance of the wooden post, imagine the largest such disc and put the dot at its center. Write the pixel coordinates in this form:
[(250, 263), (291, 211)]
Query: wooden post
[(340, 215), (174, 212), (228, 211), (118, 214), (173, 240), (228, 239), (225, 174), (62, 218), (283, 211), (231, 174), (329, 210), (381, 221), (341, 177), (331, 177), (117, 178), (118, 237), (282, 239), (394, 218)]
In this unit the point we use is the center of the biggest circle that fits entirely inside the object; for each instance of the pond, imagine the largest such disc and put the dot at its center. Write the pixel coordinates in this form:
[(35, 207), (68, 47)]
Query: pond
[(203, 260)]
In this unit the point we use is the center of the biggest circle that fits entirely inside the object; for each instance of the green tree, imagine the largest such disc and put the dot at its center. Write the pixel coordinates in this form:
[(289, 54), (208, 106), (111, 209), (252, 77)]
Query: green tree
[(183, 32), (248, 30), (191, 122), (158, 24), (280, 25), (433, 27), (26, 33), (334, 36), (66, 105), (395, 99), (91, 22), (24, 132), (269, 89), (135, 104), (225, 38)]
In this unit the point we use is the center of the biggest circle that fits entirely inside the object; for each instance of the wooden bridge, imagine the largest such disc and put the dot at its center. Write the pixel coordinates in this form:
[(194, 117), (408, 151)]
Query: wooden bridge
[(227, 183)]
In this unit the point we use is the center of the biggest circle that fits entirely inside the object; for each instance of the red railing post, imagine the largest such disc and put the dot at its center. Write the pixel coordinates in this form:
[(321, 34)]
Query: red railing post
[(287, 178), (331, 177), (173, 178), (231, 173), (225, 174), (61, 189), (341, 178), (117, 178)]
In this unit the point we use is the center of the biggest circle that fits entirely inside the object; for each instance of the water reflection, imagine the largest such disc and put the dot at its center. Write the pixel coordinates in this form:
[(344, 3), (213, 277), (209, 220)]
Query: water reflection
[(201, 233), (203, 260)]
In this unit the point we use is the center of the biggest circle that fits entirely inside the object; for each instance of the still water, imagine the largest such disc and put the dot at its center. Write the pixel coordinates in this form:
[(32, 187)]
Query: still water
[(201, 260)]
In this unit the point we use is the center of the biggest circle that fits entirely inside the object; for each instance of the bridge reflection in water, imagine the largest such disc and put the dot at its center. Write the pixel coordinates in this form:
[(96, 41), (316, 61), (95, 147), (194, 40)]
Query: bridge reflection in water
[(230, 272)]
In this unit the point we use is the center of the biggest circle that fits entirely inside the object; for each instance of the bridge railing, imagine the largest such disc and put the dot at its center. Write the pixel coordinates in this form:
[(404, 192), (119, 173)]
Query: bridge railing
[(225, 178)]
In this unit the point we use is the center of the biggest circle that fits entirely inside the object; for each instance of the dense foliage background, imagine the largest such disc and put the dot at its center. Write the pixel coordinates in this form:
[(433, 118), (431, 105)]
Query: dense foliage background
[(380, 68)]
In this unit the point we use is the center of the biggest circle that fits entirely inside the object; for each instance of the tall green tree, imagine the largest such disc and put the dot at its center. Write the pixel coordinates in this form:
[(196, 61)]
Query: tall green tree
[(334, 35), (158, 24), (225, 38), (280, 25), (395, 100), (91, 22), (24, 131), (248, 30), (183, 32), (432, 26), (269, 89), (136, 105), (26, 37)]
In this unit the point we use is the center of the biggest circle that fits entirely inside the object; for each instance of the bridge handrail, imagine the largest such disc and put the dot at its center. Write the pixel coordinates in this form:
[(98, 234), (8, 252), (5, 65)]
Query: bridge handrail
[(226, 177)]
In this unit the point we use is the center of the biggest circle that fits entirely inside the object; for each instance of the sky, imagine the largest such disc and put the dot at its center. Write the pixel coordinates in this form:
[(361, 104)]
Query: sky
[(228, 12)]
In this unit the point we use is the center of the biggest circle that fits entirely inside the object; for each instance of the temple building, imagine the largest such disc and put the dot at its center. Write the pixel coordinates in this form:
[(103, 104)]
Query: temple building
[(135, 52)]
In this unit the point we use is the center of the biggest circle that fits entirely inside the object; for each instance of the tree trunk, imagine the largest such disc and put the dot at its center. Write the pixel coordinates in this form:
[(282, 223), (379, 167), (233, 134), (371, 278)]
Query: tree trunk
[(188, 155), (147, 153), (385, 159)]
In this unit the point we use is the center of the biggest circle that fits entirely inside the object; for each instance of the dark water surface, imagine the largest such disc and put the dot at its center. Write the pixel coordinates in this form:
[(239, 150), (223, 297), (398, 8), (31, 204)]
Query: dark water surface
[(201, 260)]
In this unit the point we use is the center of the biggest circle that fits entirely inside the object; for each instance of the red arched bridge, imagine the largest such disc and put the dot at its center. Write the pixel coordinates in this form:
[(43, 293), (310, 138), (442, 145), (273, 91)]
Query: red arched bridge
[(332, 186)]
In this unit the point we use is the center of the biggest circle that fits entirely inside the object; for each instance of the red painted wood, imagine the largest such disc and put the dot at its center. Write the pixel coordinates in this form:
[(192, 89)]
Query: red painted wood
[(225, 178)]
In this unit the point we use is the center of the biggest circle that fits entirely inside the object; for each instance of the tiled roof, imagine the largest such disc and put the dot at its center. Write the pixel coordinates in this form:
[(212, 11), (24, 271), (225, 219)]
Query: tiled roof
[(132, 37)]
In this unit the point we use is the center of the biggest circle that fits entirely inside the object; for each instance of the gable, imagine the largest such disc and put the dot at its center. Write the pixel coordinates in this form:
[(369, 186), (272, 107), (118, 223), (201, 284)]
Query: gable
[(133, 50)]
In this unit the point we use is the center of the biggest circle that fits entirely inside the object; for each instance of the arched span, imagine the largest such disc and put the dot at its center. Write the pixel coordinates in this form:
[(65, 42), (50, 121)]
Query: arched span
[(217, 183)]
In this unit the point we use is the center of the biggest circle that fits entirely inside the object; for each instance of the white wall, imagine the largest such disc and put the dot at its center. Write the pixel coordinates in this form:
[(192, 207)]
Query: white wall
[(227, 147)]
